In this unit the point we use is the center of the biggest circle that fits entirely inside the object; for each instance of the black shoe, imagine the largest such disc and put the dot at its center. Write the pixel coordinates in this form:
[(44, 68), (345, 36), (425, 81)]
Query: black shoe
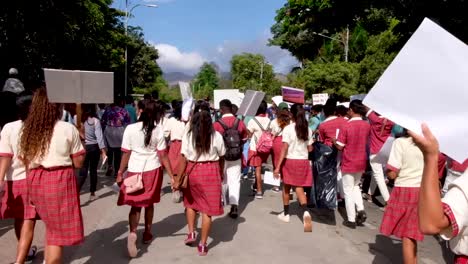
[(349, 224), (234, 213), (361, 218)]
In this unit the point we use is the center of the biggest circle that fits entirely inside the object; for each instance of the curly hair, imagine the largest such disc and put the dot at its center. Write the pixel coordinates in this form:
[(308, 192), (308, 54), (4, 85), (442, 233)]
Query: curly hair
[(283, 118), (38, 127)]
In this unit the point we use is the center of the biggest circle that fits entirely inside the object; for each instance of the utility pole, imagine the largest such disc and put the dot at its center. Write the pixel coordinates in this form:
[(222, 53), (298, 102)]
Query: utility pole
[(261, 75), (347, 44)]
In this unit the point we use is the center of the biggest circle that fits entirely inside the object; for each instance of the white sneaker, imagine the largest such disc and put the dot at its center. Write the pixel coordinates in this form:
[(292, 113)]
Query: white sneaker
[(284, 218), (307, 222)]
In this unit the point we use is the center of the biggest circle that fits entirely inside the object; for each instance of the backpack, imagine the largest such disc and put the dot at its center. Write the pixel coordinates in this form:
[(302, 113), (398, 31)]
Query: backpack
[(232, 141), (265, 142)]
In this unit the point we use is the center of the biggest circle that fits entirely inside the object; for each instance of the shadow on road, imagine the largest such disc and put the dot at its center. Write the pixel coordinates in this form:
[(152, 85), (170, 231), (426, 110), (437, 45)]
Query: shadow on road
[(386, 250)]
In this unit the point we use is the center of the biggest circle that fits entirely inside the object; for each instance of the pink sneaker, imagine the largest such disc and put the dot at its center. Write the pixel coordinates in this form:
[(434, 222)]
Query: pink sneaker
[(191, 238), (202, 250)]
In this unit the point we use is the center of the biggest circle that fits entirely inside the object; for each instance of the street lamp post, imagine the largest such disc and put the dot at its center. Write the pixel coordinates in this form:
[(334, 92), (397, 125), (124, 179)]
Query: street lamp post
[(127, 17), (345, 42)]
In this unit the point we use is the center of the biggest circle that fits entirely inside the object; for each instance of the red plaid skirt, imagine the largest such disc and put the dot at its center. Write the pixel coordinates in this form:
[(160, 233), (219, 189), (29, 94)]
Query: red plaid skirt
[(276, 151), (401, 214), (204, 188), (461, 260), (297, 173), (54, 193), (257, 159), (15, 202), (149, 195), (174, 155)]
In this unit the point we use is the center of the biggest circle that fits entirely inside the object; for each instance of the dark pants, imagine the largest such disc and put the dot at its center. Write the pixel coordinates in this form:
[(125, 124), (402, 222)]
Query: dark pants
[(90, 163), (114, 156)]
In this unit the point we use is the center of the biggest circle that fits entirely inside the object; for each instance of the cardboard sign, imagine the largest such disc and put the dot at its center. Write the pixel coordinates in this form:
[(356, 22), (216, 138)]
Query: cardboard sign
[(277, 99), (251, 102), (430, 69), (319, 99), (81, 87), (232, 95), (293, 95), (185, 90)]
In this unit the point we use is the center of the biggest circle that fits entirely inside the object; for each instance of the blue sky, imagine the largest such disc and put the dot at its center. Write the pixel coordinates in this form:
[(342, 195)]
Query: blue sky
[(190, 32)]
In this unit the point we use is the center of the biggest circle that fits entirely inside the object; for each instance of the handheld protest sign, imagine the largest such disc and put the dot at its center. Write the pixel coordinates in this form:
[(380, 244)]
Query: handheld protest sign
[(251, 102), (293, 95)]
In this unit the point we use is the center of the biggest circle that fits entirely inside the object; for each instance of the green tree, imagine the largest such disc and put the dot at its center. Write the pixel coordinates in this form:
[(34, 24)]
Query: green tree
[(206, 81), (251, 71)]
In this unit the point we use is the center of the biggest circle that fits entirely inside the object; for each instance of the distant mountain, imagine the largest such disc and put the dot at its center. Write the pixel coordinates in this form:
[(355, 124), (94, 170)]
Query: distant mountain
[(174, 77)]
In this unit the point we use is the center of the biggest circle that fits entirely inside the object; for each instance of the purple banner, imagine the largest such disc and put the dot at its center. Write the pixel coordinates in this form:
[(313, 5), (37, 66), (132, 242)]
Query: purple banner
[(293, 95)]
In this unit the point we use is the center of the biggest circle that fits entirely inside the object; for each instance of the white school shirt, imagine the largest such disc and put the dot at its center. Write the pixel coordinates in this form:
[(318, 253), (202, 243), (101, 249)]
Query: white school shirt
[(297, 148), (64, 145), (143, 158), (9, 145), (253, 128), (275, 128), (217, 149), (456, 208), (406, 159), (174, 129)]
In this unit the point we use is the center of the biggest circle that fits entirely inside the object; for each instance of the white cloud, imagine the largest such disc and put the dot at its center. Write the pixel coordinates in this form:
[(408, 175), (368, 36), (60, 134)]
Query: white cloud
[(171, 59)]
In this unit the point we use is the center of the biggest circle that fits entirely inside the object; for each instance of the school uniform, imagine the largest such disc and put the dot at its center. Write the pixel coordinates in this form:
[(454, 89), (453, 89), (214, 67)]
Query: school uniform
[(174, 129), (353, 139), (297, 170), (204, 183), (232, 169), (455, 205), (329, 129), (15, 201), (381, 130), (144, 160), (53, 187), (256, 159), (454, 171), (401, 214), (277, 131)]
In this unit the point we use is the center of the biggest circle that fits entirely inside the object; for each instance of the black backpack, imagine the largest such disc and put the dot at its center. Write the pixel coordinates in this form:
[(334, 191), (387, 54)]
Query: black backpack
[(232, 141)]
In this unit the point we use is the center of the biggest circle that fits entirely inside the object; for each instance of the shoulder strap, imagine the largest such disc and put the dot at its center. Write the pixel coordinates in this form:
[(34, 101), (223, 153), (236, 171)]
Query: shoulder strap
[(258, 123), (236, 124), (383, 126), (225, 127), (268, 127)]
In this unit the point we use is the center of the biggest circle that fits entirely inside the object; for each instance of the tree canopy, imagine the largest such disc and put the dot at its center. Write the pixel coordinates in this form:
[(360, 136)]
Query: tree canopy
[(206, 81), (251, 71)]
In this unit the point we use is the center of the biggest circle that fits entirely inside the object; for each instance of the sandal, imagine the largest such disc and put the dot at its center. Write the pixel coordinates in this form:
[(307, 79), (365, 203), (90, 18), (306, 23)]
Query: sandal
[(191, 238), (202, 250), (147, 237)]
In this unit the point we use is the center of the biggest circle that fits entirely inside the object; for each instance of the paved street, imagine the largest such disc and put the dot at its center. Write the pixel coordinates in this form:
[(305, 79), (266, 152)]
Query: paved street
[(256, 237)]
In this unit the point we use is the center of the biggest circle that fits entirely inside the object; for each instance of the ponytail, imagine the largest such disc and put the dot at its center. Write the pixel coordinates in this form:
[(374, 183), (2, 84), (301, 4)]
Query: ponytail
[(150, 117), (302, 126)]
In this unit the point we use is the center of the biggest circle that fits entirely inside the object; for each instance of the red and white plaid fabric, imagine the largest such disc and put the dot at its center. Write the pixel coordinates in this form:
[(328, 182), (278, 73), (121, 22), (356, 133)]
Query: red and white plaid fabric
[(381, 129), (174, 154), (297, 173), (453, 221), (327, 129), (276, 150), (459, 167), (401, 214), (257, 159), (354, 136), (149, 195), (54, 193), (204, 188), (15, 202)]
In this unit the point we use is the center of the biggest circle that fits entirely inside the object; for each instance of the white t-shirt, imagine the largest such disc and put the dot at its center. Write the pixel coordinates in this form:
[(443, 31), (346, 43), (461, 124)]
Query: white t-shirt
[(217, 148), (407, 159), (64, 144), (457, 199), (9, 144), (174, 129), (143, 158), (253, 128), (297, 148), (276, 129)]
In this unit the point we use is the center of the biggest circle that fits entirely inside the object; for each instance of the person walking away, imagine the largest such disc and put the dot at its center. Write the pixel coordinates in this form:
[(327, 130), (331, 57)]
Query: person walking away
[(454, 171), (235, 134), (13, 185), (130, 109), (283, 118), (114, 120), (448, 216), (203, 162), (94, 146), (296, 169), (381, 130), (405, 166), (174, 130), (256, 127), (144, 151), (352, 141), (50, 150)]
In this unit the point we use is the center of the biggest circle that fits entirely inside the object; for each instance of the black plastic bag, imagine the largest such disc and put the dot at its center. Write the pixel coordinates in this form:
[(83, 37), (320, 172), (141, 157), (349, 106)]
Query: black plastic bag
[(325, 175)]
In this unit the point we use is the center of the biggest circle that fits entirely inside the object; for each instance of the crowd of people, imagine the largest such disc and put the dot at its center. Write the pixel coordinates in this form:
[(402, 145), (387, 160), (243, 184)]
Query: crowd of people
[(47, 152)]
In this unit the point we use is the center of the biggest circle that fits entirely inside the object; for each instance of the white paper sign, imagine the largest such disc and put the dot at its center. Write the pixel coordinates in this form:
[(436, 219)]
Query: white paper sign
[(428, 82), (87, 87), (277, 99), (230, 94), (319, 99), (269, 179), (384, 154), (185, 90)]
